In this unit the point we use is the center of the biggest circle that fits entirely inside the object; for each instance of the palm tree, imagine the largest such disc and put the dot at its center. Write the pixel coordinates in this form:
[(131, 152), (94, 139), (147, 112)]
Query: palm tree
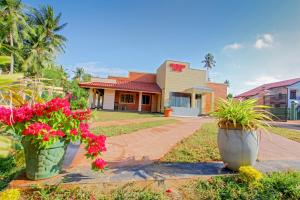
[(209, 63), (79, 72), (51, 23), (11, 11), (226, 82), (43, 42)]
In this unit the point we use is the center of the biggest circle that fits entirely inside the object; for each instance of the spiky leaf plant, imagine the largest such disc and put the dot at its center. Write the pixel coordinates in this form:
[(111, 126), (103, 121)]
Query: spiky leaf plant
[(241, 114)]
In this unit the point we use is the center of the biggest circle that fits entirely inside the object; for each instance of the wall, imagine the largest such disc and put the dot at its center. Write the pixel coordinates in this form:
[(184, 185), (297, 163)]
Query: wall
[(108, 100), (173, 81), (220, 92), (296, 87), (132, 106)]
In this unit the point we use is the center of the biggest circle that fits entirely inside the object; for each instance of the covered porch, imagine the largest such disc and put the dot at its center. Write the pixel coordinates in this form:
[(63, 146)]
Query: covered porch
[(192, 102), (124, 100)]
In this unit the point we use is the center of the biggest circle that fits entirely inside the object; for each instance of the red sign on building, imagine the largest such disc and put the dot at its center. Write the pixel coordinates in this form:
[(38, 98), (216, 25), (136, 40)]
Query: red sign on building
[(177, 67)]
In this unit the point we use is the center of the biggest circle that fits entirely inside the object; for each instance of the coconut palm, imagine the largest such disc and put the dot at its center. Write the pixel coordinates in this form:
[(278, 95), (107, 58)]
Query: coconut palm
[(78, 73), (209, 63), (43, 41), (11, 12), (226, 82), (51, 23)]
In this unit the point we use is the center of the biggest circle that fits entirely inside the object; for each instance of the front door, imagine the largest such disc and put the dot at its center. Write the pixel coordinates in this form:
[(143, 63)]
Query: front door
[(199, 103)]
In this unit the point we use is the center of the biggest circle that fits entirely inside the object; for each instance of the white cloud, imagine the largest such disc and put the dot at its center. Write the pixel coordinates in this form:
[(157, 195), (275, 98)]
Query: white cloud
[(95, 69), (262, 80), (233, 46), (264, 41)]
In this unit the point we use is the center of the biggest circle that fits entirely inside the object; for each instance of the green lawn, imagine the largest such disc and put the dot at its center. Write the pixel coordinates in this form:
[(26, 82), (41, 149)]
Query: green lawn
[(287, 133), (200, 147), (277, 185), (129, 128), (101, 116)]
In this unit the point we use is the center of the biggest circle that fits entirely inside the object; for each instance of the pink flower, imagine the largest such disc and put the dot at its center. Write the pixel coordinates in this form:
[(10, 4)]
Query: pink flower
[(99, 164)]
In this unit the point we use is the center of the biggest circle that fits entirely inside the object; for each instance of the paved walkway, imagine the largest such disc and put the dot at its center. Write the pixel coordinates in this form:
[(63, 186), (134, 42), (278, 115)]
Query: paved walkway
[(289, 124), (147, 145), (132, 158)]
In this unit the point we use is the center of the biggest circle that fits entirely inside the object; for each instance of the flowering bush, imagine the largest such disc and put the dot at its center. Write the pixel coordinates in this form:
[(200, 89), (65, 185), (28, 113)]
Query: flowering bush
[(46, 124), (10, 194), (250, 174)]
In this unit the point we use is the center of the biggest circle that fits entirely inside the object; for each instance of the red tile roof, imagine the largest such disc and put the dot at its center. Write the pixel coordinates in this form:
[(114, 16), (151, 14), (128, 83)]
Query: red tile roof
[(267, 86), (125, 85)]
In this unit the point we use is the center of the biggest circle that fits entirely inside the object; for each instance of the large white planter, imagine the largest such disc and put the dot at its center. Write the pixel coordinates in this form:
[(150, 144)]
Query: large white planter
[(238, 147)]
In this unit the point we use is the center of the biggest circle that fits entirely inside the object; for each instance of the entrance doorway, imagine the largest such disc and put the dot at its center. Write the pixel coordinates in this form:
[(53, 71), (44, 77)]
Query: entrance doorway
[(199, 103)]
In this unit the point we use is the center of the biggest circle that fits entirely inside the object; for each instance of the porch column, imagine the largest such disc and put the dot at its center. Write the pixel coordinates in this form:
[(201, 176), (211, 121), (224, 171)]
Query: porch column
[(212, 109), (193, 100), (140, 102), (91, 95), (94, 98)]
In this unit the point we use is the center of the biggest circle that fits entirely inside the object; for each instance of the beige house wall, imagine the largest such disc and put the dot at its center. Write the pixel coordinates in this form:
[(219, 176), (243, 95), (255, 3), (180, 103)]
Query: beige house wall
[(174, 81)]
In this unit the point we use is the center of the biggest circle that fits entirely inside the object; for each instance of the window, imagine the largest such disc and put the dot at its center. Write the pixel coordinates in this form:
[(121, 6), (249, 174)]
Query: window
[(127, 98), (293, 94), (180, 100), (145, 99)]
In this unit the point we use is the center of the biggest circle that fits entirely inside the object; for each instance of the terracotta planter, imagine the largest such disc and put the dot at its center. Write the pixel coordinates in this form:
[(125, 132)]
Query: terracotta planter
[(167, 112), (237, 147), (43, 163)]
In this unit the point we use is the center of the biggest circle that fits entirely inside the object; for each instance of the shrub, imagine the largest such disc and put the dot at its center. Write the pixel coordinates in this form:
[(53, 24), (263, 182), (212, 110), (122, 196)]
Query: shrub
[(10, 194), (246, 115), (250, 174)]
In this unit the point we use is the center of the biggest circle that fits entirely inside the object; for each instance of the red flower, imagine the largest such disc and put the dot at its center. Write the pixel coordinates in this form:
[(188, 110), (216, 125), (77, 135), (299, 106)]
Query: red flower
[(81, 114), (169, 191), (99, 164), (39, 109), (46, 138), (74, 131), (37, 128)]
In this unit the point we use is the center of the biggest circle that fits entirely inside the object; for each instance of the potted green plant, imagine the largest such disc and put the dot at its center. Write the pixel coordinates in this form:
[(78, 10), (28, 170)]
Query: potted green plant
[(238, 123), (45, 130)]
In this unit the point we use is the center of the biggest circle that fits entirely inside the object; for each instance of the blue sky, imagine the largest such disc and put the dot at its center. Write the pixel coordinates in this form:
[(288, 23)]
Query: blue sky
[(254, 42)]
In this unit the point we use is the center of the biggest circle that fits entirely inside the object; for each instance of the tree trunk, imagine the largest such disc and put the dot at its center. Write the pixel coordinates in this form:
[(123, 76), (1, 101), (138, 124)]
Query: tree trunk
[(11, 55)]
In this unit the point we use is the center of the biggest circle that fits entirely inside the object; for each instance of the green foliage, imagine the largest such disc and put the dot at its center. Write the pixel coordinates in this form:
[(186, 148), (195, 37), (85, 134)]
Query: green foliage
[(130, 192), (279, 186), (10, 167), (4, 60), (30, 36), (246, 115), (79, 96)]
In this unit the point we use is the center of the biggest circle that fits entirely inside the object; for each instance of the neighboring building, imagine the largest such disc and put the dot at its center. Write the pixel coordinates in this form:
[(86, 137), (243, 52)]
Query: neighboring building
[(174, 85), (277, 95)]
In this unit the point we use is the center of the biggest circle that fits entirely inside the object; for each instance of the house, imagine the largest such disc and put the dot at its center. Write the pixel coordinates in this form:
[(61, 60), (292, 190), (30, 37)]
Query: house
[(186, 90), (283, 95)]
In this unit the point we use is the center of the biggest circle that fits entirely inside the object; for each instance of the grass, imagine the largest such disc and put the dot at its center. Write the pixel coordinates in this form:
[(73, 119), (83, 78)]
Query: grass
[(287, 133), (276, 185), (101, 116), (129, 128), (11, 167), (199, 147)]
